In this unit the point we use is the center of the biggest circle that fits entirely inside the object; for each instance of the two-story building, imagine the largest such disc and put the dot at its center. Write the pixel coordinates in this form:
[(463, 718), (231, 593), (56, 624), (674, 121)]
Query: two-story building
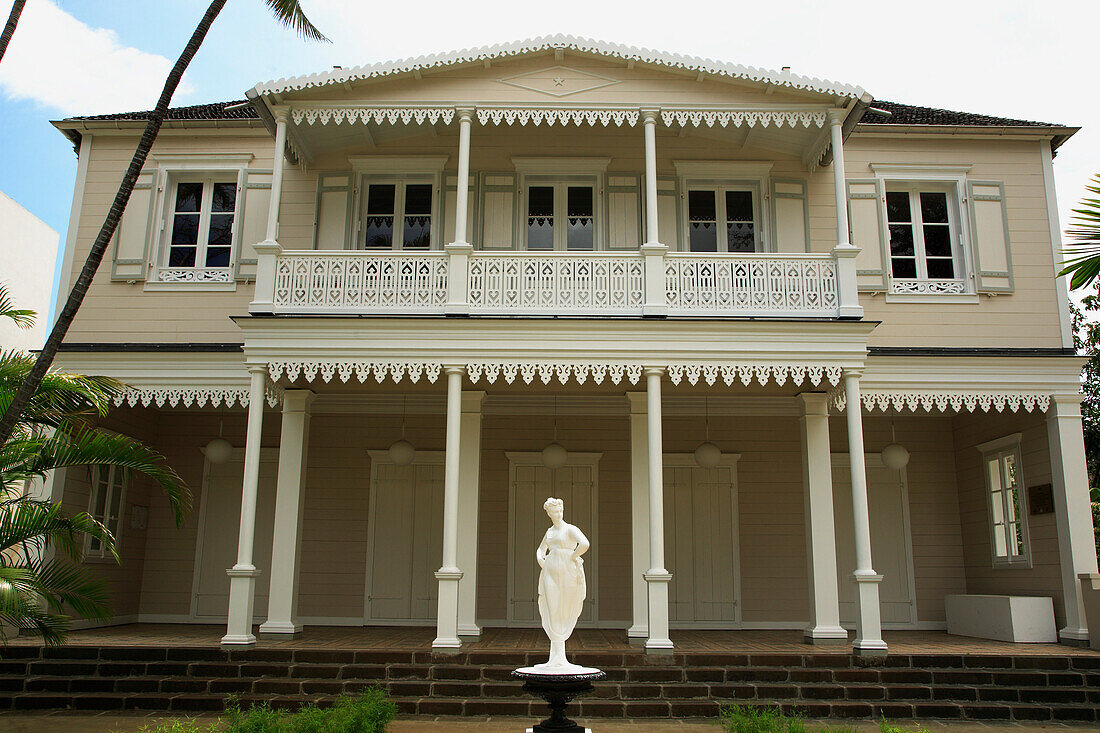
[(795, 358)]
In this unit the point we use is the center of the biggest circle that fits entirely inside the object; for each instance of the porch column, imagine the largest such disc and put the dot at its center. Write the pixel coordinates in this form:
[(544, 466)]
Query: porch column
[(449, 575), (657, 576), (817, 482), (268, 250), (469, 492), (868, 641), (840, 186), (242, 576), (639, 513), (459, 249), (652, 251), (1073, 511), (286, 542), (277, 176)]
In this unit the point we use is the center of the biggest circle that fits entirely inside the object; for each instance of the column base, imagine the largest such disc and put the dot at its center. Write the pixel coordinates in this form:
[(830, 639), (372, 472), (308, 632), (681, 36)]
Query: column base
[(280, 630), (236, 641), (825, 635), (870, 649), (447, 609), (637, 631), (471, 630), (1073, 637), (868, 642)]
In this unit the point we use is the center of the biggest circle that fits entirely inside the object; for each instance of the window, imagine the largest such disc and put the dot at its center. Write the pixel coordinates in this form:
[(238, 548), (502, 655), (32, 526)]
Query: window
[(921, 234), (722, 220), (561, 216), (397, 215), (105, 504), (1007, 506), (203, 211)]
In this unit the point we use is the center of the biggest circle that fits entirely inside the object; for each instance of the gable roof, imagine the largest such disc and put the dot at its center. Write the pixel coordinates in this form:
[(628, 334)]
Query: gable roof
[(907, 114), (563, 43)]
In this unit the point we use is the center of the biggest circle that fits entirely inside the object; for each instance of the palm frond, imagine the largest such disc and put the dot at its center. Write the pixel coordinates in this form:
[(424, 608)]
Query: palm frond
[(1083, 255), (43, 523), (61, 396), (37, 599), (290, 14), (85, 446), (23, 318)]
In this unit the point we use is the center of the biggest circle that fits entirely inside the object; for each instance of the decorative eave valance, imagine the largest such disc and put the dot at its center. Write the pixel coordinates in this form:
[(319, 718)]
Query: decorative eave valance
[(538, 115), (945, 400), (562, 371), (192, 396)]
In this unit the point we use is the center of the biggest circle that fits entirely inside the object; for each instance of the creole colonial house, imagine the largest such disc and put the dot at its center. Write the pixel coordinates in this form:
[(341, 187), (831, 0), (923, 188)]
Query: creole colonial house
[(794, 357)]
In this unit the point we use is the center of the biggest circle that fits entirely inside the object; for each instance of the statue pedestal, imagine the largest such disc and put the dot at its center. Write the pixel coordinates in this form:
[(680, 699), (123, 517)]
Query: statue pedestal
[(558, 689)]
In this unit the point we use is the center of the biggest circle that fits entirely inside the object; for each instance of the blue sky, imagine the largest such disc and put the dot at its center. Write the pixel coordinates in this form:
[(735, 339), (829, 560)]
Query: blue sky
[(1014, 58)]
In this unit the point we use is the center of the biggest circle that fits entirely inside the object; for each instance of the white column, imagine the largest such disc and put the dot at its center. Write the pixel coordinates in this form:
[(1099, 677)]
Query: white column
[(459, 249), (276, 176), (657, 577), (242, 576), (449, 575), (639, 514), (469, 492), (868, 641), (817, 482), (1073, 510), (286, 541), (844, 252), (652, 251)]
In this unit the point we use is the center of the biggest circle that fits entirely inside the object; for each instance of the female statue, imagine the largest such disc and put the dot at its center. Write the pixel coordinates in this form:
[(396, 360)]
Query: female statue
[(562, 588)]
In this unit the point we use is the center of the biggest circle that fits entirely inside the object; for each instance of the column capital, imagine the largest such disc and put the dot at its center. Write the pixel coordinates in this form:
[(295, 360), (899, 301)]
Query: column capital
[(471, 400), (464, 114), (649, 114), (856, 372), (298, 400), (454, 369), (281, 114), (1067, 404), (814, 403), (638, 402), (255, 368), (654, 371), (836, 116)]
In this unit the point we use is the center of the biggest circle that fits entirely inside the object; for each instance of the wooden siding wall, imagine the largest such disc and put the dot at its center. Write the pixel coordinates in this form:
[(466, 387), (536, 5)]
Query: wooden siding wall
[(157, 573), (1043, 578)]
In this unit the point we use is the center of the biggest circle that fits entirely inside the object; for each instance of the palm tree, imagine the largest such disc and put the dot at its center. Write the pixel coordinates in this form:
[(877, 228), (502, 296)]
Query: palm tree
[(1085, 265), (289, 13), (41, 547), (9, 27)]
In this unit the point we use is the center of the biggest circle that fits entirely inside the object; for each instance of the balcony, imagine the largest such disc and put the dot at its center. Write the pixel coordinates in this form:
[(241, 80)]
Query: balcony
[(649, 282)]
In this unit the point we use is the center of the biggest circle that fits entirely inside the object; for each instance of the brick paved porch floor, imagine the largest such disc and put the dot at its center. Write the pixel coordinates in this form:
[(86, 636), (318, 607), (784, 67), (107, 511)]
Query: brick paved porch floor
[(533, 640), (68, 722)]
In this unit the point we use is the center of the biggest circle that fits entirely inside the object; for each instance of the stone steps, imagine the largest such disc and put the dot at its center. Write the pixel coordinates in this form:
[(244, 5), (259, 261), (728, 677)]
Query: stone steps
[(1010, 687)]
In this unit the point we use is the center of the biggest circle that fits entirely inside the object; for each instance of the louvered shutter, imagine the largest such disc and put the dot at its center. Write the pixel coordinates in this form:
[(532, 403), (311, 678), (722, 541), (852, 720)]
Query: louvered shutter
[(989, 235), (866, 223)]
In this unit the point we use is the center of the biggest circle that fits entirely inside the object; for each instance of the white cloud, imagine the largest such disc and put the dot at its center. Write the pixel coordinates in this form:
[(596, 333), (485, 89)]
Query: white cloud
[(62, 63)]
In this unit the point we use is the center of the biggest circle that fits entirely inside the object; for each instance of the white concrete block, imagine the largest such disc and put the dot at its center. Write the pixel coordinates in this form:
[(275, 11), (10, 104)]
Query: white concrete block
[(1020, 619)]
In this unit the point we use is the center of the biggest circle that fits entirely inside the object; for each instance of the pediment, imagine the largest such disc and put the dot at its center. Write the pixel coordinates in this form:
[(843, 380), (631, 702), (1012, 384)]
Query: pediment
[(559, 81)]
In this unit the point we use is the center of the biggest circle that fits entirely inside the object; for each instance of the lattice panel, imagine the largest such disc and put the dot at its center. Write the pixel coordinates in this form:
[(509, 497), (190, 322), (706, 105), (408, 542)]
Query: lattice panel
[(751, 285), (360, 282), (598, 284)]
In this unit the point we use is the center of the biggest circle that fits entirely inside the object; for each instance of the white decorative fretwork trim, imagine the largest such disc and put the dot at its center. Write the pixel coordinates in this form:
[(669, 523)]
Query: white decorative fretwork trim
[(944, 400), (551, 116), (782, 79), (928, 287), (377, 115), (192, 396), (194, 275), (698, 118), (546, 372)]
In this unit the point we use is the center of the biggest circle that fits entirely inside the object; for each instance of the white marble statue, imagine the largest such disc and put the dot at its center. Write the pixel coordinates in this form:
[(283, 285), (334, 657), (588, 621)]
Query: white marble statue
[(562, 588)]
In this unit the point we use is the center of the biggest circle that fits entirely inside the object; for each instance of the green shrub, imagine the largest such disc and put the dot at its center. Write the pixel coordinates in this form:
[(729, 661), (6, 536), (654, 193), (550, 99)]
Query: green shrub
[(744, 719), (886, 726), (369, 712)]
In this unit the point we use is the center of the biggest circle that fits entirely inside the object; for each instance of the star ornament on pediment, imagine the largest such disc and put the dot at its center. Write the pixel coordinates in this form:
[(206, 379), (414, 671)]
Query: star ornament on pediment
[(559, 81)]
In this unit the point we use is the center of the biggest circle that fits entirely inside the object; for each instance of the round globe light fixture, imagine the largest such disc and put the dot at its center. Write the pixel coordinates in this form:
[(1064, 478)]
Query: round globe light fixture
[(895, 456), (218, 451), (707, 455), (402, 453), (554, 456)]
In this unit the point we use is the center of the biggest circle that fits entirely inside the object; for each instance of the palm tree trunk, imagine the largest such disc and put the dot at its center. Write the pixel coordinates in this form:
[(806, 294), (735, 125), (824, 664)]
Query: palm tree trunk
[(95, 255), (9, 28)]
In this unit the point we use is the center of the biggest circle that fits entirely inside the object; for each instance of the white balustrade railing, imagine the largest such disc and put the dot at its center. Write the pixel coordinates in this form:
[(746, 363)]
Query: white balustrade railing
[(594, 283), (360, 282), (752, 285), (650, 282)]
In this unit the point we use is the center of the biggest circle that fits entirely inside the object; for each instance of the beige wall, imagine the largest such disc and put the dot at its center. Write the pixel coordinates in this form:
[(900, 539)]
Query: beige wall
[(1043, 578), (948, 530)]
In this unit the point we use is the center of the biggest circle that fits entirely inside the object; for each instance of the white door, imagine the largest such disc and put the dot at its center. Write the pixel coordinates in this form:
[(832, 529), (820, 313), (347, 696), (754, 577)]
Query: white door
[(220, 532), (701, 543), (406, 541), (890, 543), (532, 484)]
